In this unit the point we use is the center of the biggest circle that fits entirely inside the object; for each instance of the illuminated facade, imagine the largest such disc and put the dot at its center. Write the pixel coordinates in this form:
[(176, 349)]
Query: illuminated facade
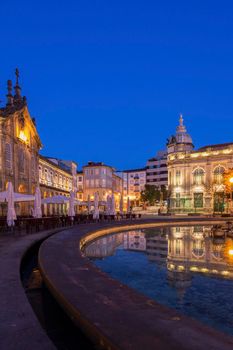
[(101, 178), (134, 240), (56, 177), (195, 178), (192, 249), (19, 146), (134, 182), (104, 246), (80, 185)]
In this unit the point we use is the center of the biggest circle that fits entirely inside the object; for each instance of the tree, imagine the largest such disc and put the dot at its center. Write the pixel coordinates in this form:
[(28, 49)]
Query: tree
[(150, 195)]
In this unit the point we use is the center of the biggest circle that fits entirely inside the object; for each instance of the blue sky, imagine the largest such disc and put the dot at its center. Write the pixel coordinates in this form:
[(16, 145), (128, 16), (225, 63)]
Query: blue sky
[(106, 80)]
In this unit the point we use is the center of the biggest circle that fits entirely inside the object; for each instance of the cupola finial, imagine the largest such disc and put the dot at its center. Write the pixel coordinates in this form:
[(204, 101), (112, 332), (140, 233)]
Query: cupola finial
[(181, 119)]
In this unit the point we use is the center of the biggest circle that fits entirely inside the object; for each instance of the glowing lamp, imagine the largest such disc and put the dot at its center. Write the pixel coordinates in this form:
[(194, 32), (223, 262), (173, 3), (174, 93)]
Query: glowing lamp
[(23, 138), (230, 252), (231, 180)]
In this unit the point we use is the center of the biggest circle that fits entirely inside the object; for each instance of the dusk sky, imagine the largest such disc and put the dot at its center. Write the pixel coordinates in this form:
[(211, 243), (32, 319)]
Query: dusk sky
[(106, 80)]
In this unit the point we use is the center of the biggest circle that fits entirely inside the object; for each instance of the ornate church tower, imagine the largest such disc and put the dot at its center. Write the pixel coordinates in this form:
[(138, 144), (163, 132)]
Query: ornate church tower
[(19, 145), (181, 141)]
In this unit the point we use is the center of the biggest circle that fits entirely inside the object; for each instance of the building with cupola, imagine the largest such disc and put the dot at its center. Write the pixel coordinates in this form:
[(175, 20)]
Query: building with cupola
[(195, 177)]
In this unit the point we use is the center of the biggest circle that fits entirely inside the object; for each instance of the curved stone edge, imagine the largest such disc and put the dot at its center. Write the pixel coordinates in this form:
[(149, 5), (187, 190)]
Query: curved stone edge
[(19, 326), (114, 315)]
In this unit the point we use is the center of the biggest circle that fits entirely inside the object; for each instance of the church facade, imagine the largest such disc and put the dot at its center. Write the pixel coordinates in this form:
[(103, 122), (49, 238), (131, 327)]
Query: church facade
[(20, 161), (19, 145), (196, 177)]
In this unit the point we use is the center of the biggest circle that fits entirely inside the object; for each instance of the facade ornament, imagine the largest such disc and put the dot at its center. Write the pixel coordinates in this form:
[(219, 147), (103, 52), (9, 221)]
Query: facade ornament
[(9, 95)]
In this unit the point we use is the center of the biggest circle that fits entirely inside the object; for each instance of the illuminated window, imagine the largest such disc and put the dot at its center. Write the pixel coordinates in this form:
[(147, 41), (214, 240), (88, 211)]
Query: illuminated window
[(177, 200), (178, 178), (8, 152), (218, 175), (198, 200), (178, 246), (198, 248), (198, 176)]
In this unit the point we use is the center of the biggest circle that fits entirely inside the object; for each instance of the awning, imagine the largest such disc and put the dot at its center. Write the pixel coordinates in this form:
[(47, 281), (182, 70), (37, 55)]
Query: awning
[(18, 197)]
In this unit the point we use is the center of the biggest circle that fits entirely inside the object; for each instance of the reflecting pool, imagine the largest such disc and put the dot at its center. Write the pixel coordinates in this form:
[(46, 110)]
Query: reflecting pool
[(185, 268)]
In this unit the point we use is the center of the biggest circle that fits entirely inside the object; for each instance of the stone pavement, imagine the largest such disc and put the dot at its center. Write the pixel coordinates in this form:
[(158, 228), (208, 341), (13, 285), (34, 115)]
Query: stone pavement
[(19, 327)]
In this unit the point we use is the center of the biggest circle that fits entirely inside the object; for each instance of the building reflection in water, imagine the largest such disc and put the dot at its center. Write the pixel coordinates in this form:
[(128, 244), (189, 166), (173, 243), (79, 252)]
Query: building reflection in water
[(184, 251), (103, 247)]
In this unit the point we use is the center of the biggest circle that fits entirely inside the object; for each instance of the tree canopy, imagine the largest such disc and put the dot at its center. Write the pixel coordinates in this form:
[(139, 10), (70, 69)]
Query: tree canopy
[(150, 195)]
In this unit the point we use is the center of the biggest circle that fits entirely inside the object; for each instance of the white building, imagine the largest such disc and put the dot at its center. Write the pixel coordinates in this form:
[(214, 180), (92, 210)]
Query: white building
[(196, 177), (134, 182)]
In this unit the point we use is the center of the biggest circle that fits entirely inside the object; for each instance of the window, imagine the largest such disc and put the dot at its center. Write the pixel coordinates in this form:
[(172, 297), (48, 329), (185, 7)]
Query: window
[(80, 179), (178, 180), (198, 200), (198, 176), (177, 200), (8, 151), (178, 246), (198, 248), (218, 174)]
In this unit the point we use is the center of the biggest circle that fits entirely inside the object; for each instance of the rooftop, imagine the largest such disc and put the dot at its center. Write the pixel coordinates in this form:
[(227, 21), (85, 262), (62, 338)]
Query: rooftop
[(97, 164), (219, 146)]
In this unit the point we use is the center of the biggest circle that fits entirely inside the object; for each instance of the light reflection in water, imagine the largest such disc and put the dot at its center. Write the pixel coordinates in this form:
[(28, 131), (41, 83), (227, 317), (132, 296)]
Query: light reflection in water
[(189, 268)]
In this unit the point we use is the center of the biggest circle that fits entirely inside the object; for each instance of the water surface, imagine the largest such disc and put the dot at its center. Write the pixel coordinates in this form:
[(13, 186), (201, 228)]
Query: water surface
[(182, 267)]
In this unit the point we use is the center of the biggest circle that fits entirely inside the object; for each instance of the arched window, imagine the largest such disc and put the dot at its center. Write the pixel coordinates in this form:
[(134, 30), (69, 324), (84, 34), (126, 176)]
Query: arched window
[(8, 153), (198, 248), (198, 176), (218, 174)]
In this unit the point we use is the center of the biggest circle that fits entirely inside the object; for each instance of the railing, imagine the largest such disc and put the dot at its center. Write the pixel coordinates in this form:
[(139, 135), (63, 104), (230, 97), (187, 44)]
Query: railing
[(28, 225)]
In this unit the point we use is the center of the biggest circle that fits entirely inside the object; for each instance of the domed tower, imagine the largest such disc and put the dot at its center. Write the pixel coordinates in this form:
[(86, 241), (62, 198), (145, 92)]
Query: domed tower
[(181, 141)]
